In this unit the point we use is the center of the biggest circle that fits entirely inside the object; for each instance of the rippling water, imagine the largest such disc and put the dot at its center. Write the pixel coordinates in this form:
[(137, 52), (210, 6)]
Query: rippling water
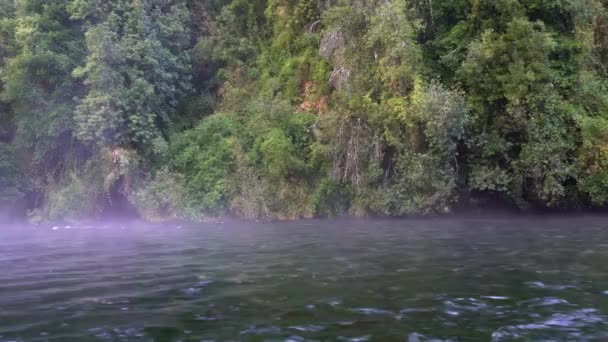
[(414, 280)]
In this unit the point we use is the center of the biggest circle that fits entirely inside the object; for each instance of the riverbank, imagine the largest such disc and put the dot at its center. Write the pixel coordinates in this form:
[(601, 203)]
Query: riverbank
[(507, 213), (281, 110)]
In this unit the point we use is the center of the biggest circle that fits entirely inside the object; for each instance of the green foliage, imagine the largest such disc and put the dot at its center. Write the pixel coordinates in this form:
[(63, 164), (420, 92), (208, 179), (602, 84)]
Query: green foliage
[(204, 157), (137, 70), (7, 32), (594, 161), (162, 198), (37, 82), (253, 163), (282, 109), (9, 177), (508, 66), (76, 196), (423, 176), (69, 201), (522, 140), (420, 185)]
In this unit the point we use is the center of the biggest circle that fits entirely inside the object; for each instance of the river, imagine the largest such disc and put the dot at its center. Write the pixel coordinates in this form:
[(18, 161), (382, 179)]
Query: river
[(356, 280)]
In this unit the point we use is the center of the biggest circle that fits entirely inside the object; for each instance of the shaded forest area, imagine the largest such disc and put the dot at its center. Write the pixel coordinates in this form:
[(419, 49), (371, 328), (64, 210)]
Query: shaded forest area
[(285, 109)]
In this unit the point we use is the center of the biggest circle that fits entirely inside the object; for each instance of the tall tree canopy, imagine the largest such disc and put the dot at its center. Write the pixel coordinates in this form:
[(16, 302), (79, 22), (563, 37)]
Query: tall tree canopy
[(137, 69), (283, 109)]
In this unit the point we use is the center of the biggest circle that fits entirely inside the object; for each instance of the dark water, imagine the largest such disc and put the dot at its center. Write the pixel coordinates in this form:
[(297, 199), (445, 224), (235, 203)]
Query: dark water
[(464, 280)]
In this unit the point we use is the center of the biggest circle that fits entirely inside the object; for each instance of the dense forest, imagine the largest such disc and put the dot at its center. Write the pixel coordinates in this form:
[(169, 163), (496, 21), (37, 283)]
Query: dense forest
[(284, 109)]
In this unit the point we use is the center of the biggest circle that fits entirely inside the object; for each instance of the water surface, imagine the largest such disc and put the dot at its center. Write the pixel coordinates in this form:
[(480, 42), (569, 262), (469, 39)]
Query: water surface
[(402, 280)]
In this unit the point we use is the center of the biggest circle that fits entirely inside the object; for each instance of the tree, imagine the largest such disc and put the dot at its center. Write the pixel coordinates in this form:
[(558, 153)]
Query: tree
[(39, 88), (137, 70)]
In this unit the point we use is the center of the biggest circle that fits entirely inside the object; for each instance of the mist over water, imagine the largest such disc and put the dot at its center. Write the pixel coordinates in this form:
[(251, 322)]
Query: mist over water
[(379, 280)]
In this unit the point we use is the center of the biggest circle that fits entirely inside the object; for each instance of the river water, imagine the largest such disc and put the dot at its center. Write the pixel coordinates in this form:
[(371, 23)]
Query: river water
[(379, 280)]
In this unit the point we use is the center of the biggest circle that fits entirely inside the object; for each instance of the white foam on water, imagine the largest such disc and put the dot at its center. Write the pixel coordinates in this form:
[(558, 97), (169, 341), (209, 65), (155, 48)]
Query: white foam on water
[(496, 297)]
